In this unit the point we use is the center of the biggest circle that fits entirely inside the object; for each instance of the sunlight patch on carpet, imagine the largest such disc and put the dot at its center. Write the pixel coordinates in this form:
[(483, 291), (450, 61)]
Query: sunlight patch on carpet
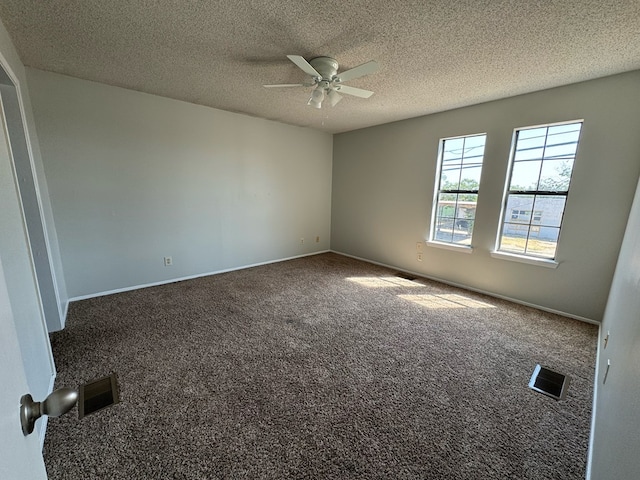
[(384, 282), (445, 301)]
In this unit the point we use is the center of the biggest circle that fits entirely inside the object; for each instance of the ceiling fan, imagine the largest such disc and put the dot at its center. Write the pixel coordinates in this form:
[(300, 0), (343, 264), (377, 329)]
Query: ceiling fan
[(327, 81)]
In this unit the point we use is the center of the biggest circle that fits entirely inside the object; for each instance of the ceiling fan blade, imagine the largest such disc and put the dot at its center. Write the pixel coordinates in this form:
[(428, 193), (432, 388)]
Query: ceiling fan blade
[(285, 85), (356, 92), (334, 97), (304, 65), (359, 71)]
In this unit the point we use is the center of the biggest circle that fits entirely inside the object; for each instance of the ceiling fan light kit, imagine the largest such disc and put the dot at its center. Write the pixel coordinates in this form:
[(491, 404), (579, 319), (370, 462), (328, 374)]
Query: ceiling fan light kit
[(327, 81), (317, 96)]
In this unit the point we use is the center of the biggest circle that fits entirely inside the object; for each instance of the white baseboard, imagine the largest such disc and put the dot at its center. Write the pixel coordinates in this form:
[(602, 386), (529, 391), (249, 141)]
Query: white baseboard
[(242, 267), (593, 406), (477, 290), (42, 431), (189, 277), (66, 311)]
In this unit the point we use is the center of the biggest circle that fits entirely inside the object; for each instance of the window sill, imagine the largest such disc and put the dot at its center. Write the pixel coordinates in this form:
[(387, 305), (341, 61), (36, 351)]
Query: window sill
[(450, 246), (542, 262)]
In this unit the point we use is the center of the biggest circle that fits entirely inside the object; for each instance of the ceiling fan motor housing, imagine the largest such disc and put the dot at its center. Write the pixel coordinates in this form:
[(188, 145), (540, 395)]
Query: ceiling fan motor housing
[(325, 66)]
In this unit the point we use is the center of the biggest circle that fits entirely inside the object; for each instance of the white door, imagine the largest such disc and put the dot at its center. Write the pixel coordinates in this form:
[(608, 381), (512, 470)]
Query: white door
[(20, 456), (26, 364)]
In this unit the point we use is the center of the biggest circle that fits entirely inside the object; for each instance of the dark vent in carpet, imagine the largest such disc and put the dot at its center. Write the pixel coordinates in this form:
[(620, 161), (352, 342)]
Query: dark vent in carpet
[(98, 394), (406, 276), (549, 383)]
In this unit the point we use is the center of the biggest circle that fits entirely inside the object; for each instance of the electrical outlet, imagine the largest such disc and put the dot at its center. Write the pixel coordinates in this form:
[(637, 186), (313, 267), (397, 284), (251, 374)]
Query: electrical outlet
[(301, 241), (419, 247), (318, 239), (168, 261), (419, 257)]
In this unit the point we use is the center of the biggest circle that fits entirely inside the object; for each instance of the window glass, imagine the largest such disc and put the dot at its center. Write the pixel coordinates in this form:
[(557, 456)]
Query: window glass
[(457, 183), (540, 175)]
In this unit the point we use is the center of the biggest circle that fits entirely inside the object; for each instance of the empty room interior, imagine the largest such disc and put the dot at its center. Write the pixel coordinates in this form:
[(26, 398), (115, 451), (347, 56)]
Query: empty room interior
[(320, 240)]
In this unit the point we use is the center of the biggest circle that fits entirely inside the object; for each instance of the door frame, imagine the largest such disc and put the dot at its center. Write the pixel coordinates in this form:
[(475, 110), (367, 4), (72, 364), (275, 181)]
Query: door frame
[(31, 202), (25, 291)]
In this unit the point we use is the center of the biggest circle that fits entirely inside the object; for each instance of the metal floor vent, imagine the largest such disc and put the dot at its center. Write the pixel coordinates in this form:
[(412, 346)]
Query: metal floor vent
[(98, 394), (550, 383), (406, 276)]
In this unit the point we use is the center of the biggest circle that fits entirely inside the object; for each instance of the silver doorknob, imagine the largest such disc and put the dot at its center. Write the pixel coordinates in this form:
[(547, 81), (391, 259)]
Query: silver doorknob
[(57, 403)]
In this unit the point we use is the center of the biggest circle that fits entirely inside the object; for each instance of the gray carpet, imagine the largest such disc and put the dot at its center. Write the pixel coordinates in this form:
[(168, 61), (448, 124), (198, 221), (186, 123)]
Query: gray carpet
[(320, 368)]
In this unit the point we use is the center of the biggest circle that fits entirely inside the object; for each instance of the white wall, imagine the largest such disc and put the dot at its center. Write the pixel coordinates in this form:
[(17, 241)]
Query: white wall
[(135, 177), (383, 184), (616, 437)]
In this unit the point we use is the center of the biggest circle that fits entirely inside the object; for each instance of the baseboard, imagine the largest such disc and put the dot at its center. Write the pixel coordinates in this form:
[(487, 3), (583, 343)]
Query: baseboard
[(189, 277), (477, 290), (66, 311), (594, 405), (419, 274), (42, 431)]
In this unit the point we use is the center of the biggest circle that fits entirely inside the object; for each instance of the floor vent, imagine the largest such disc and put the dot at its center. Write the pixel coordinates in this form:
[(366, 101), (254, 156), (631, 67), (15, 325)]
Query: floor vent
[(550, 383), (98, 394), (406, 276)]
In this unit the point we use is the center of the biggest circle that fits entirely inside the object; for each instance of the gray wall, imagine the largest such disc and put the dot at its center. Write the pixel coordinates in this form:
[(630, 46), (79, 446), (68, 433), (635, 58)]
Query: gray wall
[(383, 185), (135, 177), (616, 438)]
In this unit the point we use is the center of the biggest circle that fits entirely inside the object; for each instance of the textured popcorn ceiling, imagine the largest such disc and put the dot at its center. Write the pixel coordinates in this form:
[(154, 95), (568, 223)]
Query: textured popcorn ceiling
[(434, 55)]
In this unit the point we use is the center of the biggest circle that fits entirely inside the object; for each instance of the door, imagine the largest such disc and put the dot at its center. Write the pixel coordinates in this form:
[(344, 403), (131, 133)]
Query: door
[(20, 456), (26, 363)]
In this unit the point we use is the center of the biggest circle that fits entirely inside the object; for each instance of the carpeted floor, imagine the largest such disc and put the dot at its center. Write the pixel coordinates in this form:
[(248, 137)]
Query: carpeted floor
[(322, 367)]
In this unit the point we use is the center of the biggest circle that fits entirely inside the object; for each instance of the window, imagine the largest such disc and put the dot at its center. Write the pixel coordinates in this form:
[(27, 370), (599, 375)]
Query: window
[(459, 169), (539, 181)]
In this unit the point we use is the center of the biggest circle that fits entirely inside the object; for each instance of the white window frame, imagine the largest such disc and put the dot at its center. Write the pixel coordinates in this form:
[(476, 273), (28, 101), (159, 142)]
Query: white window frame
[(529, 257), (432, 241)]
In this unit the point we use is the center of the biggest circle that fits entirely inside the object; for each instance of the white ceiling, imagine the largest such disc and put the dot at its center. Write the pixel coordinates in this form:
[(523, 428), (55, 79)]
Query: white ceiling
[(434, 55)]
